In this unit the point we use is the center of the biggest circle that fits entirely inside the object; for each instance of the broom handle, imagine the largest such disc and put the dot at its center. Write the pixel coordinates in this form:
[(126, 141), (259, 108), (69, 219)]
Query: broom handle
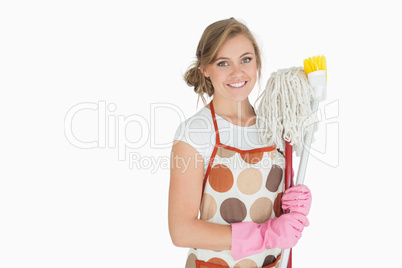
[(300, 177), (306, 150)]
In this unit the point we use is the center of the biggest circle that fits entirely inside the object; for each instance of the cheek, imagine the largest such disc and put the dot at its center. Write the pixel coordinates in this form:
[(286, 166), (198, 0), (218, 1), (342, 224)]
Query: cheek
[(252, 73), (252, 70), (219, 77)]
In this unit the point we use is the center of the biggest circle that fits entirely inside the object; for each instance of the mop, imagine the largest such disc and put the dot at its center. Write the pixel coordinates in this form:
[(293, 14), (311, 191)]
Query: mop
[(286, 116)]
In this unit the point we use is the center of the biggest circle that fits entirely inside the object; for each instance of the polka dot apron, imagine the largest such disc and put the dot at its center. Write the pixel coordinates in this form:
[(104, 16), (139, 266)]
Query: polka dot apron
[(240, 185)]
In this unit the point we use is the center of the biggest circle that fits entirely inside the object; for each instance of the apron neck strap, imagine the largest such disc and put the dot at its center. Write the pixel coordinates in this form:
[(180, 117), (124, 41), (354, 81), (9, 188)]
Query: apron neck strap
[(215, 122)]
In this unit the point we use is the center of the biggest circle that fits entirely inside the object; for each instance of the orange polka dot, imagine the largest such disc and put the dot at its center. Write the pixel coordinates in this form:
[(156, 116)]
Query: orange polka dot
[(221, 178), (225, 153), (208, 207), (278, 205), (246, 263), (219, 261), (261, 210), (249, 181), (252, 158)]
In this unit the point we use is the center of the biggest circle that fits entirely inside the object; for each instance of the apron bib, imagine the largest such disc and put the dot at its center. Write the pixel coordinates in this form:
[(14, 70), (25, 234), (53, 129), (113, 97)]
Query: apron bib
[(240, 185)]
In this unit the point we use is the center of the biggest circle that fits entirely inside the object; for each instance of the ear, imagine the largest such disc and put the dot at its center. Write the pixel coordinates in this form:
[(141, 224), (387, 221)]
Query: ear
[(204, 71)]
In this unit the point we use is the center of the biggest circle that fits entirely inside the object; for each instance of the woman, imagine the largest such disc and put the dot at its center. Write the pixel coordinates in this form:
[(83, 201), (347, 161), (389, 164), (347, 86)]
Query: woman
[(220, 169)]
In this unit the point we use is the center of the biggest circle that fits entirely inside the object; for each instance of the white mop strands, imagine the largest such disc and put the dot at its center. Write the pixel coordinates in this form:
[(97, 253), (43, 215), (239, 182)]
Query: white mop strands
[(285, 109)]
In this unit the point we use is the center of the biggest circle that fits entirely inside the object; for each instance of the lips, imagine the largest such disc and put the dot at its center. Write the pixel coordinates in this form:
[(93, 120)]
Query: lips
[(238, 84)]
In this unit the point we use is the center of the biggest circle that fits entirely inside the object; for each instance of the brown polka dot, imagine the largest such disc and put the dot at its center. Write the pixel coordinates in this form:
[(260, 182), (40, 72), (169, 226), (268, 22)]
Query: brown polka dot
[(218, 261), (278, 205), (269, 260), (261, 210), (221, 178), (274, 178), (225, 153), (191, 261), (249, 181), (246, 263), (272, 154), (233, 210), (208, 207), (252, 158)]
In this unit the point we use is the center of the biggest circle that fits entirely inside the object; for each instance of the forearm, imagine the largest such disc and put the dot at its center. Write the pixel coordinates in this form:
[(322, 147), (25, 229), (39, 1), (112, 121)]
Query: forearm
[(198, 233)]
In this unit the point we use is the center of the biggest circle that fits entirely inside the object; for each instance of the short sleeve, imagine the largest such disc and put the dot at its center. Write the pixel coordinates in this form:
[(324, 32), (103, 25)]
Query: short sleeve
[(198, 132)]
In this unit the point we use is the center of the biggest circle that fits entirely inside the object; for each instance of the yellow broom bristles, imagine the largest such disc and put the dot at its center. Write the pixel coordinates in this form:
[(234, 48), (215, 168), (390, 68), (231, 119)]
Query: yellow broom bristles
[(315, 63)]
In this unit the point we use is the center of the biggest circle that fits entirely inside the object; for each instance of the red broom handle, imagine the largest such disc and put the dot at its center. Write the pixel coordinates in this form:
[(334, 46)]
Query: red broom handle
[(288, 165), (288, 179)]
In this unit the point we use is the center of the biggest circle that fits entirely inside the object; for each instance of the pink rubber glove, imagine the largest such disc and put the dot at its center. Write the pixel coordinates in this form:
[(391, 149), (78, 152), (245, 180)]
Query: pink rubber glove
[(297, 199), (249, 238)]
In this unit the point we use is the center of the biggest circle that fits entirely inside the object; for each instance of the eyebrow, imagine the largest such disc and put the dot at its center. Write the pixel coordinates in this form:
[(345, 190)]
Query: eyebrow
[(242, 55)]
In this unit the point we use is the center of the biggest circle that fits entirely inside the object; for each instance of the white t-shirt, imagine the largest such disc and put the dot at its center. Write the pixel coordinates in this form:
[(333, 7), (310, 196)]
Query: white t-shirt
[(198, 131)]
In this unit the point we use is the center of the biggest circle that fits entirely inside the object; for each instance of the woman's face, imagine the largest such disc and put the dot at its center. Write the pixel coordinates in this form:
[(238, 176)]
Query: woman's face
[(234, 72)]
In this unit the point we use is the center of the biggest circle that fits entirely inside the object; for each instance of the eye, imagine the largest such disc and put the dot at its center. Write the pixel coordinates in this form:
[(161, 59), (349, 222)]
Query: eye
[(223, 64), (246, 60)]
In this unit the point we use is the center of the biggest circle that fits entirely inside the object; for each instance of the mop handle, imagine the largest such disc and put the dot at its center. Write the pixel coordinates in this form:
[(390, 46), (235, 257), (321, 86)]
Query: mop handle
[(286, 259), (300, 176)]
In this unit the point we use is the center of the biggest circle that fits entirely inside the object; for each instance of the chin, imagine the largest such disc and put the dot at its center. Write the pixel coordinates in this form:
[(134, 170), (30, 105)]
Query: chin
[(239, 97)]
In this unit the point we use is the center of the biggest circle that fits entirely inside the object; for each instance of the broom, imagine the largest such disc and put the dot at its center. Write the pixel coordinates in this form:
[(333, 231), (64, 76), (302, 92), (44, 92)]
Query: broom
[(284, 115)]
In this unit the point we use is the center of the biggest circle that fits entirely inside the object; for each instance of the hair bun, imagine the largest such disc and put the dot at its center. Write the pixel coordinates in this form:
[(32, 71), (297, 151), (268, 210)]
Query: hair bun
[(192, 76)]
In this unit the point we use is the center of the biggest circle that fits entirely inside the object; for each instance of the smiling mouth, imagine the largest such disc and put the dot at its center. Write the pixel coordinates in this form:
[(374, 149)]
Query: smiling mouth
[(238, 85)]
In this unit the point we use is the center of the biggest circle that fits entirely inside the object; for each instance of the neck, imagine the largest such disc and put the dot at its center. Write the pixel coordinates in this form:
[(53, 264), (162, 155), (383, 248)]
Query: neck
[(239, 113)]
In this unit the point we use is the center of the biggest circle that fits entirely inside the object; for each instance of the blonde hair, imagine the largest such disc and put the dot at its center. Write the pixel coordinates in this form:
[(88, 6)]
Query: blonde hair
[(211, 41)]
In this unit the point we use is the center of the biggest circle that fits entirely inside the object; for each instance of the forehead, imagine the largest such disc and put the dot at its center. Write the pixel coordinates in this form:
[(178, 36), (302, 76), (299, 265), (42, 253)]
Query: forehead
[(235, 47)]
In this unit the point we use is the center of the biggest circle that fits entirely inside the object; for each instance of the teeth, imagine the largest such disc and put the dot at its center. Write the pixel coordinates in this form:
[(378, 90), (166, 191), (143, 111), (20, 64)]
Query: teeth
[(237, 84)]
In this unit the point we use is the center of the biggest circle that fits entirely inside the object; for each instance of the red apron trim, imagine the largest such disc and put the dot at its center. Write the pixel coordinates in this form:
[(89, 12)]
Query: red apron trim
[(256, 150), (203, 264)]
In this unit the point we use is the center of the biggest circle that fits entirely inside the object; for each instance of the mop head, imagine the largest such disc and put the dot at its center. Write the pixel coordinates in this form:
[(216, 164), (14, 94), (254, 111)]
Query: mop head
[(284, 112)]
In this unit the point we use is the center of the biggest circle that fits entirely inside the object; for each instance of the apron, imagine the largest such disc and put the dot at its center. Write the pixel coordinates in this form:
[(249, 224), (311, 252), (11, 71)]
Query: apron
[(240, 186)]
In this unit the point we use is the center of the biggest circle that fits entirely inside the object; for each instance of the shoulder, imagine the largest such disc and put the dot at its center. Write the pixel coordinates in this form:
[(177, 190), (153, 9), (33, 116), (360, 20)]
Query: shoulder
[(197, 130)]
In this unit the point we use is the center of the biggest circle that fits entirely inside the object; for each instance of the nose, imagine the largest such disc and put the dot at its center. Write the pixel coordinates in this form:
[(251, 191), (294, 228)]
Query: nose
[(237, 70)]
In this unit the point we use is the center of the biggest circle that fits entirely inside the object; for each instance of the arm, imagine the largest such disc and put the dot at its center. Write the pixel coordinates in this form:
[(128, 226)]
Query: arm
[(185, 192)]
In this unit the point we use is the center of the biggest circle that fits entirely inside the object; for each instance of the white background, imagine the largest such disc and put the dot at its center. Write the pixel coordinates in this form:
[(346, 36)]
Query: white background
[(65, 206)]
